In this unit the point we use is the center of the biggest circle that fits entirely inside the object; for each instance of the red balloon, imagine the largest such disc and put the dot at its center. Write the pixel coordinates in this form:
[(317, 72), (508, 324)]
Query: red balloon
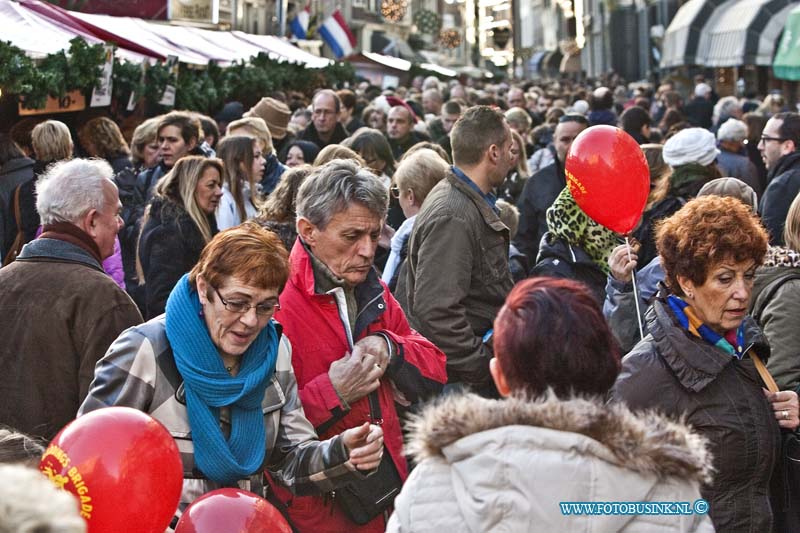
[(232, 511), (122, 465), (608, 176)]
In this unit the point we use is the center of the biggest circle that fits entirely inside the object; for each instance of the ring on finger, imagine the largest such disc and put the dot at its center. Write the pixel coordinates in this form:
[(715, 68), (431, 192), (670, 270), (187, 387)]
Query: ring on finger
[(785, 414)]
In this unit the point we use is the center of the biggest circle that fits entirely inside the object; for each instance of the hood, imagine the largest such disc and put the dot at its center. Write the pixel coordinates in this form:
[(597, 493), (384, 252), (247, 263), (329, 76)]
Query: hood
[(536, 452), (648, 444), (13, 165), (551, 246)]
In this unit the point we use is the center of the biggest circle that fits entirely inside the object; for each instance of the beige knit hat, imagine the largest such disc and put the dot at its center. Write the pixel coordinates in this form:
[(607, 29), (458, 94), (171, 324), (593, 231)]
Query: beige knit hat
[(275, 113)]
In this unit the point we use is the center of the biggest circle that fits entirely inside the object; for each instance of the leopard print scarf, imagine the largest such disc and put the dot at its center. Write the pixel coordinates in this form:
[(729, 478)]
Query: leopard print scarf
[(565, 220), (778, 256)]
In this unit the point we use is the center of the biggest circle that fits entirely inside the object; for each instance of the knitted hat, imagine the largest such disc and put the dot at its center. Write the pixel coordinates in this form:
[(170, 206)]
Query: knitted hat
[(275, 113), (692, 145), (730, 187), (732, 130)]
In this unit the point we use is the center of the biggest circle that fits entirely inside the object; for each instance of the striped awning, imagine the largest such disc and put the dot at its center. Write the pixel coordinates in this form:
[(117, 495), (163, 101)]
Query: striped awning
[(683, 34), (743, 32)]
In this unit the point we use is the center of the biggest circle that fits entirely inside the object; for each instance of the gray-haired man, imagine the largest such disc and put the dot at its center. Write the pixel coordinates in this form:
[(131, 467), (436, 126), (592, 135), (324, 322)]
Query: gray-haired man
[(352, 347), (59, 311)]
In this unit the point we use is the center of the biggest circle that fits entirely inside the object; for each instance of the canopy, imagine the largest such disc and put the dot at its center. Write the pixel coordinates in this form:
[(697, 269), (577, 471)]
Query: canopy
[(137, 38), (39, 35), (787, 58), (683, 34), (388, 61), (282, 50), (742, 32)]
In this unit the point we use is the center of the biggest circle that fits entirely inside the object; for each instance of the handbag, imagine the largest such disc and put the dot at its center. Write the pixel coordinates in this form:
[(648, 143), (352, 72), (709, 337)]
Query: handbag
[(367, 498), (785, 483)]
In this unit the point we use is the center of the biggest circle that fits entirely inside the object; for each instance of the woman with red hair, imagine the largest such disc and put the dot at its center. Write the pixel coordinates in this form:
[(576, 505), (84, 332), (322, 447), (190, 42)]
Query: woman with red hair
[(522, 463)]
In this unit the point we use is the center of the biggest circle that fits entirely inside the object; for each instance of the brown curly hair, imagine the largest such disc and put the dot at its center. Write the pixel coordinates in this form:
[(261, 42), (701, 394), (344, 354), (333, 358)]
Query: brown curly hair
[(704, 232), (101, 137)]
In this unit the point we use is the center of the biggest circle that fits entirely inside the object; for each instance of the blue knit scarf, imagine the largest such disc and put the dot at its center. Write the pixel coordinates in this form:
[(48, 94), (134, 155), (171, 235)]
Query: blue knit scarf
[(209, 386)]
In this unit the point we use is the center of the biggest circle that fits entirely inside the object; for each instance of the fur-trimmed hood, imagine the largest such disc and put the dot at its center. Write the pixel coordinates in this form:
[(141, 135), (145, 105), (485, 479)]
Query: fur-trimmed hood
[(644, 443)]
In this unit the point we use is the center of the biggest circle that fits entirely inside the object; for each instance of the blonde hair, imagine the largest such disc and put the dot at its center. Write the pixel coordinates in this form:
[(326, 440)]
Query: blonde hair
[(179, 186), (791, 231), (509, 215), (420, 172), (52, 141), (522, 163), (144, 134), (337, 151), (253, 127)]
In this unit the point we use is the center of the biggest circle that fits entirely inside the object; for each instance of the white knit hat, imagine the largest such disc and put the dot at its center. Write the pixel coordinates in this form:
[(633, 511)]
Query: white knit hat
[(692, 145)]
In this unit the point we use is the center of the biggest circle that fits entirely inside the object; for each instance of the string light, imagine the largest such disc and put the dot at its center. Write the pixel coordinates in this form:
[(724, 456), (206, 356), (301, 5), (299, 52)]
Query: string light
[(450, 38), (394, 10)]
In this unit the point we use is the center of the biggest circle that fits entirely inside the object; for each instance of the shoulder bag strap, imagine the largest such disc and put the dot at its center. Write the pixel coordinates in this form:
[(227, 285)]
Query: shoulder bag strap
[(17, 212), (375, 407), (763, 372)]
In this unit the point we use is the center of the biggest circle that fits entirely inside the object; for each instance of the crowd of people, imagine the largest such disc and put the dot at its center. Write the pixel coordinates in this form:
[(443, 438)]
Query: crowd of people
[(383, 310)]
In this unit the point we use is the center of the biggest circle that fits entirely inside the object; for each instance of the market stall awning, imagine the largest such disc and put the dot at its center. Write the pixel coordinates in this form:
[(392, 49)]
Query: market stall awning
[(282, 50), (743, 32), (35, 34), (388, 61), (683, 34), (132, 50), (787, 58)]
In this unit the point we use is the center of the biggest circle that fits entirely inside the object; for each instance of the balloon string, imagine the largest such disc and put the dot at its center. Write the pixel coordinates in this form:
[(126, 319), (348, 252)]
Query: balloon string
[(635, 291)]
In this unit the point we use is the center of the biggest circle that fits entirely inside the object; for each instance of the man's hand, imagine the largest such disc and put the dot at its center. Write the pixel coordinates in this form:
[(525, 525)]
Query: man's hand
[(356, 374), (621, 264), (365, 445), (376, 345)]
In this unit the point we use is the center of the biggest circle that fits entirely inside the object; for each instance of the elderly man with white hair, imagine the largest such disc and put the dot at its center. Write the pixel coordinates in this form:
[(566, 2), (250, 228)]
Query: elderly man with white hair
[(732, 160), (59, 311)]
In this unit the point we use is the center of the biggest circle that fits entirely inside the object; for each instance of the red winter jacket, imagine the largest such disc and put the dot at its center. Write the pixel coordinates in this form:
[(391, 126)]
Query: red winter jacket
[(312, 323)]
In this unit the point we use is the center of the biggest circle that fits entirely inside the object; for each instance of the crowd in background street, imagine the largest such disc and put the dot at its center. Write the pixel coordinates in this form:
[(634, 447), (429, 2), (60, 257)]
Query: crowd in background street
[(398, 282)]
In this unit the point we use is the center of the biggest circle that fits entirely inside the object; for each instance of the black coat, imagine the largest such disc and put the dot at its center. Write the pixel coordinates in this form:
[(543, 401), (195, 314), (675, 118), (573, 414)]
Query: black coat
[(721, 397), (13, 174), (539, 193), (311, 134), (169, 247), (559, 259), (401, 147), (784, 184), (27, 206)]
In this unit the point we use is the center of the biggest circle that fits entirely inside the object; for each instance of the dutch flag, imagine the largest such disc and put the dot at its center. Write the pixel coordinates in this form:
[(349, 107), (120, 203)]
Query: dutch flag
[(299, 23), (337, 35)]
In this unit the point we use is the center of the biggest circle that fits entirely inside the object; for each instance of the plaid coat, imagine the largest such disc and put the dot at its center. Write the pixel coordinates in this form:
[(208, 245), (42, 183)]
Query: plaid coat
[(139, 371)]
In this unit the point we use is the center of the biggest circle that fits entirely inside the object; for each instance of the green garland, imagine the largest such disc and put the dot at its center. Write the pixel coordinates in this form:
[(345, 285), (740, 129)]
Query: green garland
[(200, 89), (56, 75)]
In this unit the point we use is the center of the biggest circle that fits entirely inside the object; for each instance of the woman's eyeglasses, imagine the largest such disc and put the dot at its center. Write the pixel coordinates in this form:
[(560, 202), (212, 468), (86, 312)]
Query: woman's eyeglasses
[(241, 308)]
